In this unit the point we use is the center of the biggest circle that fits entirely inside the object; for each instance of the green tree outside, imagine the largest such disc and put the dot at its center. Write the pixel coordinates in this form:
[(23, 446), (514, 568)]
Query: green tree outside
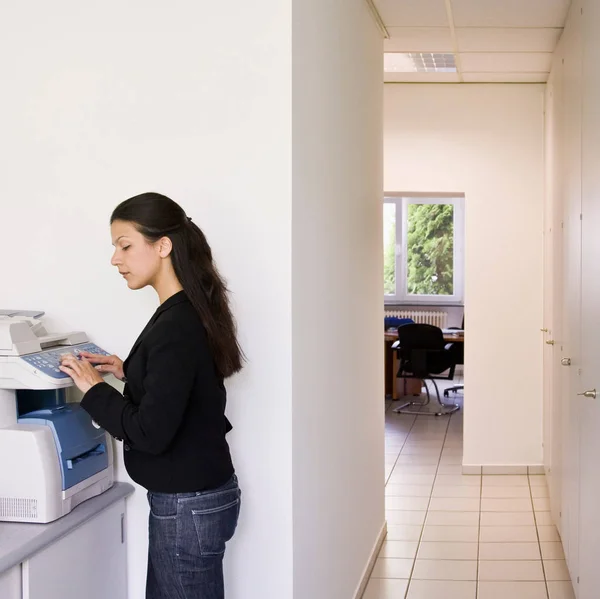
[(430, 259), (389, 249)]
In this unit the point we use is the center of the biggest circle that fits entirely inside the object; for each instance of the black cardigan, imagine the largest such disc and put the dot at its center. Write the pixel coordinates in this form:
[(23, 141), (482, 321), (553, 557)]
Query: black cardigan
[(171, 416)]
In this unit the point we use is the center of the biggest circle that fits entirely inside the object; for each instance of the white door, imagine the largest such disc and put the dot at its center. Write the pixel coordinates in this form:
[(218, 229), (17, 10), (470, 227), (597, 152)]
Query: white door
[(570, 344), (553, 290), (589, 552)]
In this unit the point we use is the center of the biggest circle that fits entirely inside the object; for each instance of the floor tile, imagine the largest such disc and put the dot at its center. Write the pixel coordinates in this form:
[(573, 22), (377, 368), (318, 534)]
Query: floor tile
[(464, 534), (452, 551), (421, 446), (405, 517), (451, 460), (540, 491), (408, 490), (385, 588), (453, 480), (552, 550), (544, 518), (386, 567), (417, 451), (399, 549), (505, 480), (453, 519), (509, 551), (561, 590), (511, 571), (494, 492), (406, 503), (429, 569), (507, 519), (450, 469), (441, 589), (556, 570), (456, 491), (508, 534), (541, 504), (403, 532), (448, 504), (399, 478), (417, 460), (548, 534), (538, 481), (506, 505), (448, 451), (512, 590), (404, 469)]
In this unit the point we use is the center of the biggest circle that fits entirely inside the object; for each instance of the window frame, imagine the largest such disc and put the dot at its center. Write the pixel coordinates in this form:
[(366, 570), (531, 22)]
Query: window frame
[(402, 201)]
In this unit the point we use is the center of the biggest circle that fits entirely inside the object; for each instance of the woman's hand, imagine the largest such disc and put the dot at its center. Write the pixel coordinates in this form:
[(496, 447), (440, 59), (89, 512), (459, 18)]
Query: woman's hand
[(84, 375), (111, 364)]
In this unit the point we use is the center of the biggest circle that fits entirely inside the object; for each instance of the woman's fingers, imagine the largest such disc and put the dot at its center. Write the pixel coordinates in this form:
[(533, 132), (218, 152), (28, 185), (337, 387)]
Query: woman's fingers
[(97, 358), (73, 363), (68, 371)]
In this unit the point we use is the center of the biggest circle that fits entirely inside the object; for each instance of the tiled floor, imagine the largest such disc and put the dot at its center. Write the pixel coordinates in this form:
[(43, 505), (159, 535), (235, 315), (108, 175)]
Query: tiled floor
[(461, 537)]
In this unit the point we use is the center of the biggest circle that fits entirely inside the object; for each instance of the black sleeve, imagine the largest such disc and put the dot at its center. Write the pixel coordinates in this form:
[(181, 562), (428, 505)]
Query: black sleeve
[(170, 374)]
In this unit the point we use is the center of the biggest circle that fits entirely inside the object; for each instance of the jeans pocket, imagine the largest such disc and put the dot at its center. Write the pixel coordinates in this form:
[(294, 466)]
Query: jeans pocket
[(163, 505), (215, 523)]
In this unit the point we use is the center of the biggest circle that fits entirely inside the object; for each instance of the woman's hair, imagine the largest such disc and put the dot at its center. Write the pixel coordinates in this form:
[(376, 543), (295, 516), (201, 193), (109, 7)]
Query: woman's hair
[(156, 216)]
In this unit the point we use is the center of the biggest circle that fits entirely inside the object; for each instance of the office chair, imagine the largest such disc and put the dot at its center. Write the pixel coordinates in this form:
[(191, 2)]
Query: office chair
[(394, 322), (422, 355), (458, 350)]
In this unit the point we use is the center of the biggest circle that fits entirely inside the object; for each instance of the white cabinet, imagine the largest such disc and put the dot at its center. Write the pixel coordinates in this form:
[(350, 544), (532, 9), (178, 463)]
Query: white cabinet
[(10, 584), (90, 562)]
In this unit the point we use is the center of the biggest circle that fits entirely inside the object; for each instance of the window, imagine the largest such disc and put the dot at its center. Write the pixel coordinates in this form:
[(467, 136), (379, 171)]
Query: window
[(423, 240)]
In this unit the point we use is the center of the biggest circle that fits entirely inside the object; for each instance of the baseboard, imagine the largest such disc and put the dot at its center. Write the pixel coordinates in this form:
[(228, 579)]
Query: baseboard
[(364, 579), (478, 469)]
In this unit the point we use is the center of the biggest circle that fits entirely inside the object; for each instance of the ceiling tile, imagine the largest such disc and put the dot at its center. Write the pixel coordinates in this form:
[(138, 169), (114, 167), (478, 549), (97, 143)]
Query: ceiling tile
[(418, 39), (510, 13), (505, 77), (507, 40), (413, 13), (508, 62), (421, 78)]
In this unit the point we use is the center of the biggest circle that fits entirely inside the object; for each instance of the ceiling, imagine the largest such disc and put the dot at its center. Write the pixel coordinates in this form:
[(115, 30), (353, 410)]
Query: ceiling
[(492, 40)]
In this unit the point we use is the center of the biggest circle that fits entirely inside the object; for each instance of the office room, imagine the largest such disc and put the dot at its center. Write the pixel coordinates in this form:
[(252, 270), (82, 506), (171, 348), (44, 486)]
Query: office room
[(498, 107), (283, 128)]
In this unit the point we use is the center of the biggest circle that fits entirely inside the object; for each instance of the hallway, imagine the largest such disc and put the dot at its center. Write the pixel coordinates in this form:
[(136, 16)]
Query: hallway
[(452, 536)]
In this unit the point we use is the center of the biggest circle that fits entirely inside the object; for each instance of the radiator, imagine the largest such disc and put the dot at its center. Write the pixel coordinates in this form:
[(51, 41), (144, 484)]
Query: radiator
[(437, 318)]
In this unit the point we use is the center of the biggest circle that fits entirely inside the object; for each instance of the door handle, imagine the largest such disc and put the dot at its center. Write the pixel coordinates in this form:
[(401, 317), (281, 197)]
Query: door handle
[(566, 361), (551, 342), (544, 330), (591, 394)]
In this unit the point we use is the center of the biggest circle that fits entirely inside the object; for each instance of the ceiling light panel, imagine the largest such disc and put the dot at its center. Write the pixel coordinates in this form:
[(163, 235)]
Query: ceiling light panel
[(419, 62)]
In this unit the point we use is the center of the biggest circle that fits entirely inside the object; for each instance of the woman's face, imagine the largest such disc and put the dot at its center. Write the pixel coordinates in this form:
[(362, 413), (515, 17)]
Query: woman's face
[(137, 260)]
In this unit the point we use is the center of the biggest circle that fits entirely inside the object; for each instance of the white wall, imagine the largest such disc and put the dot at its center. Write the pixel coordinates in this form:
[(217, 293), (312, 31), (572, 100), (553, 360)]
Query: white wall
[(338, 469), (486, 141), (191, 99)]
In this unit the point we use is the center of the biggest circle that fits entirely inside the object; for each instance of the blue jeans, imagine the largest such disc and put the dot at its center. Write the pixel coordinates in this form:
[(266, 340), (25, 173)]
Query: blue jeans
[(188, 532)]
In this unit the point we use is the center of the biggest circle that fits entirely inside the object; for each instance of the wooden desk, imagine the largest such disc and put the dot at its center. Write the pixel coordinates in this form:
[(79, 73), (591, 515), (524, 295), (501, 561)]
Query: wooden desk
[(391, 361)]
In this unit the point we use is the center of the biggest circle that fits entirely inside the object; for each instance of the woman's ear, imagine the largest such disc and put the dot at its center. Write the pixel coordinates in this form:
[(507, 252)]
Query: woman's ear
[(165, 246)]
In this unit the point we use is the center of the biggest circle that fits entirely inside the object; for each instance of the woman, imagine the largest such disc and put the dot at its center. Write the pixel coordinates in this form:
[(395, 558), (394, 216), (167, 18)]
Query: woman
[(171, 415)]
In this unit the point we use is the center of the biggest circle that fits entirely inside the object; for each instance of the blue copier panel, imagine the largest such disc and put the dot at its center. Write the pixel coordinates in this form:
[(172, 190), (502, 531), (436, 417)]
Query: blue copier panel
[(80, 445), (49, 361)]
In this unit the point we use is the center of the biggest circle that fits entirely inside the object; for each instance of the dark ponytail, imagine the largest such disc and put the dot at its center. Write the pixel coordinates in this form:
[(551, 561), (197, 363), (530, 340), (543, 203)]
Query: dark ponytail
[(156, 216)]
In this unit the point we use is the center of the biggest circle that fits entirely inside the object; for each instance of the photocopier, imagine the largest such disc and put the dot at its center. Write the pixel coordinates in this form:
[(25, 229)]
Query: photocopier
[(52, 455)]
